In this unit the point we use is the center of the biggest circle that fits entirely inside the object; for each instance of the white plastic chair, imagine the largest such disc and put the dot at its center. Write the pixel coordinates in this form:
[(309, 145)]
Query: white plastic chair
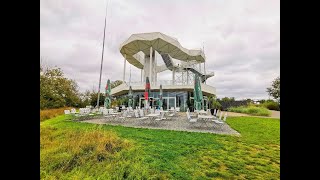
[(225, 116), (217, 113), (214, 112), (191, 120), (157, 111), (105, 112), (66, 111), (173, 112), (136, 114), (142, 115), (124, 115), (208, 112), (73, 111), (160, 118), (220, 115), (220, 121), (178, 109)]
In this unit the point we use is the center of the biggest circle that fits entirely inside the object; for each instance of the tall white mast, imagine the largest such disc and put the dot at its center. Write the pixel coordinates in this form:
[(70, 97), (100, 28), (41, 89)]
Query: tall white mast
[(104, 35)]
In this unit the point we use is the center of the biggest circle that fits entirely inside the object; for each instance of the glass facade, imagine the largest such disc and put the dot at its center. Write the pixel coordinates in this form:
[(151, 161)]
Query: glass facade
[(170, 99)]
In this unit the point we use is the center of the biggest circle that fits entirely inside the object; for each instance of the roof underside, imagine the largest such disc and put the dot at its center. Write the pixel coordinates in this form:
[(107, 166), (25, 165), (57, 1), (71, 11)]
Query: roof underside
[(159, 42)]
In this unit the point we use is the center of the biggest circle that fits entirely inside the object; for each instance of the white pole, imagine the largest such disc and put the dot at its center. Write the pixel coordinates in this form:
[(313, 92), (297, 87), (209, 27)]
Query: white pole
[(173, 76), (154, 68), (141, 76), (124, 68), (187, 77), (150, 66), (182, 78), (205, 79), (104, 35), (130, 77)]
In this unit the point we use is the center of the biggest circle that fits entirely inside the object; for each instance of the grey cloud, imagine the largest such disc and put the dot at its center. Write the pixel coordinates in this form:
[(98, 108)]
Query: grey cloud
[(242, 39)]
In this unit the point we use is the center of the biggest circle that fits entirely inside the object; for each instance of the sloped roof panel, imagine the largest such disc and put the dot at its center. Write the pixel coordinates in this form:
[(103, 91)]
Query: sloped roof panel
[(159, 42)]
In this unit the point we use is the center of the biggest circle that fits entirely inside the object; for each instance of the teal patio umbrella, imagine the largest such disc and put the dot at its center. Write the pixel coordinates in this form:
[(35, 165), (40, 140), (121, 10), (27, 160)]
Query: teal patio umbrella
[(130, 96), (107, 100), (160, 97), (198, 98)]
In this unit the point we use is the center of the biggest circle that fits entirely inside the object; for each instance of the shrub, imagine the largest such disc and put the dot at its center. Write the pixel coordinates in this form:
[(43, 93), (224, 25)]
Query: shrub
[(51, 113), (253, 110), (271, 105)]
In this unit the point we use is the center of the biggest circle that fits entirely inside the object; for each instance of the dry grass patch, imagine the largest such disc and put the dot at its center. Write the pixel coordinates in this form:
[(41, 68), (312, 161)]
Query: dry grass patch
[(51, 113)]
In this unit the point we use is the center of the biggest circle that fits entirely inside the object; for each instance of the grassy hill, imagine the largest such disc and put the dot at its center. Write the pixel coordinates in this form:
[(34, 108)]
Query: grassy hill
[(71, 150)]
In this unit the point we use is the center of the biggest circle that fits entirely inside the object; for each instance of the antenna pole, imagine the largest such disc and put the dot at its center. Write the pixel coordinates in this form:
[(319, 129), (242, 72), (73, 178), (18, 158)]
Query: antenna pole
[(104, 34), (205, 78)]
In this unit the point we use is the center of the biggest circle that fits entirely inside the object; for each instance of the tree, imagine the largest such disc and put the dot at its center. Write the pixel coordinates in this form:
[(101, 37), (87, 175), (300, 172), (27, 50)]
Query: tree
[(211, 99), (227, 99), (274, 90), (56, 90), (213, 102), (94, 98), (85, 99)]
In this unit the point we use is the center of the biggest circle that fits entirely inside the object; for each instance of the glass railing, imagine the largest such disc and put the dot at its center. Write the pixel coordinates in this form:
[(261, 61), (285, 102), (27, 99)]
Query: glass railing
[(163, 82)]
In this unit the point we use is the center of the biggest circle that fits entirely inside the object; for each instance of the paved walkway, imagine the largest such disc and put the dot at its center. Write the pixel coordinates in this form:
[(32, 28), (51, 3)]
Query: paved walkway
[(178, 123)]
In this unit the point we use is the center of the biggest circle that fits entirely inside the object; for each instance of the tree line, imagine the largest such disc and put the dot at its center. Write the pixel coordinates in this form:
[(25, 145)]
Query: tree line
[(58, 91)]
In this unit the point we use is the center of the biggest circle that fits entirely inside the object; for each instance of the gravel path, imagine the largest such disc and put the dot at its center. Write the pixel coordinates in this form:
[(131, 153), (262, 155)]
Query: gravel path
[(178, 123)]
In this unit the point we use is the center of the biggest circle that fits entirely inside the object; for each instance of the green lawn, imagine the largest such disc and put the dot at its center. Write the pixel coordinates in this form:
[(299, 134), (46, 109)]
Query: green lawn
[(71, 150)]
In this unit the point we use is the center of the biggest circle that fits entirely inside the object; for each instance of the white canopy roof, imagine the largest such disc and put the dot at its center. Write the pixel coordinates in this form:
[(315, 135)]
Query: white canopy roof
[(162, 43)]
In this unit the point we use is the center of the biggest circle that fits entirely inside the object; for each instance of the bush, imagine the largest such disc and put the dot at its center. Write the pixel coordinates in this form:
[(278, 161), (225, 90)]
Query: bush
[(252, 110), (216, 105), (51, 113), (271, 105)]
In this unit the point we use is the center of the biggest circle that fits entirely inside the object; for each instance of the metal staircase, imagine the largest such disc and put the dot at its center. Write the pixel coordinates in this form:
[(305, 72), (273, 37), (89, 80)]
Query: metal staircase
[(169, 64), (167, 61), (201, 75)]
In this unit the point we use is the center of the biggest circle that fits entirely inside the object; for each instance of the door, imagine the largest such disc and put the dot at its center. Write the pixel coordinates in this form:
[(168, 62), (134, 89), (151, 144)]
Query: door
[(165, 103), (141, 102), (172, 102)]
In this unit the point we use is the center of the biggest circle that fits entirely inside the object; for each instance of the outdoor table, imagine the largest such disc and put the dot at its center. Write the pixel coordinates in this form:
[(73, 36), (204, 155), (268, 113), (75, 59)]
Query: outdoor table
[(152, 116), (206, 118), (114, 113), (164, 111), (202, 112)]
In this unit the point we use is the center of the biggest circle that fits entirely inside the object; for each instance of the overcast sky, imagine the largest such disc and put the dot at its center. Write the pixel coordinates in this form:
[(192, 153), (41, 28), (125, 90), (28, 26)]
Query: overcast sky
[(241, 38)]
